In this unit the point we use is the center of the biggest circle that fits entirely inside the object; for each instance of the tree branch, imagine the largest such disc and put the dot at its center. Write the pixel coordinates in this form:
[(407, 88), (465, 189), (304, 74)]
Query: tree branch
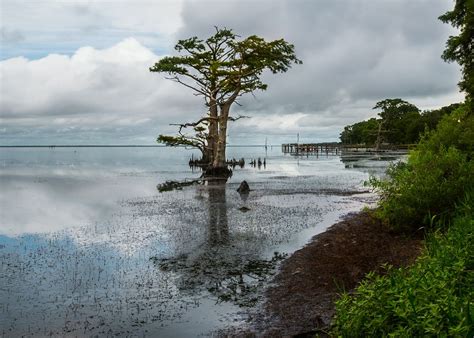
[(193, 124), (233, 119), (178, 80)]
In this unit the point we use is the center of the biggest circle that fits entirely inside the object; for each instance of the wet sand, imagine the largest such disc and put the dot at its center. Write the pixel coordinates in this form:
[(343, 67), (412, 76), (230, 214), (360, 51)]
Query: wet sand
[(301, 300)]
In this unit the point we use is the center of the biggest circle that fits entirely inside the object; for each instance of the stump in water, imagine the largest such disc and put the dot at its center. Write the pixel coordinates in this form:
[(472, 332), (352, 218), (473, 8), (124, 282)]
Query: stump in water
[(244, 188)]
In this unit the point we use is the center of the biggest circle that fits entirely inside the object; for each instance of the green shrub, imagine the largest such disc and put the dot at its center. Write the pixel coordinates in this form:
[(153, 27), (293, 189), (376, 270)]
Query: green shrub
[(434, 297), (454, 130), (434, 178)]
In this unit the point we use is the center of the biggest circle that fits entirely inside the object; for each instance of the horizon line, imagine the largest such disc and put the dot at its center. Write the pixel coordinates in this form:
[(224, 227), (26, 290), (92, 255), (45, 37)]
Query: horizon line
[(115, 146)]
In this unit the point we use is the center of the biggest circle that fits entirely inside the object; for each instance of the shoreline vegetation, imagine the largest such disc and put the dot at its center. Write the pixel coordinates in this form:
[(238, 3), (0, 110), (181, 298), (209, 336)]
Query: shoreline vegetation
[(431, 196), (405, 268), (433, 193)]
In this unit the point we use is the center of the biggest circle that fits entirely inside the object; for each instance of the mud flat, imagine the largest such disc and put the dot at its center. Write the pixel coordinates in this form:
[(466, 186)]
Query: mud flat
[(301, 299)]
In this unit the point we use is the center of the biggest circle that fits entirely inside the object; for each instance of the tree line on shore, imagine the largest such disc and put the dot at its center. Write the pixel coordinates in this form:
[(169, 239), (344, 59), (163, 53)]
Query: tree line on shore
[(399, 122), (433, 193)]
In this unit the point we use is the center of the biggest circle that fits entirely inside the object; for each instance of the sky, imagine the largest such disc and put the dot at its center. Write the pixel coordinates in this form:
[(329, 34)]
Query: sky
[(76, 72)]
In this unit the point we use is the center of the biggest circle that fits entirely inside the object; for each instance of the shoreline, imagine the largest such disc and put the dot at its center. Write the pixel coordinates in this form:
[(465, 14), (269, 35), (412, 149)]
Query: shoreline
[(300, 300)]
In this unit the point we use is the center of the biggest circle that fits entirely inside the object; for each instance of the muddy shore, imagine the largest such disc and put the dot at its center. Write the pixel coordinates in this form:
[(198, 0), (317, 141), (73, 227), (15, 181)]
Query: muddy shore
[(301, 299)]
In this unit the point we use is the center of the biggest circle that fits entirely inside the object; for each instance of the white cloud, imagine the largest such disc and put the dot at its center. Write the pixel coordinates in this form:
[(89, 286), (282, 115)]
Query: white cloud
[(45, 26), (276, 123), (354, 54), (91, 88)]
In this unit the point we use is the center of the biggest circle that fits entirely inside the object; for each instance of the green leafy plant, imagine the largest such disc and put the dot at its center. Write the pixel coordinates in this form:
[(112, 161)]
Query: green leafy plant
[(434, 297), (434, 178)]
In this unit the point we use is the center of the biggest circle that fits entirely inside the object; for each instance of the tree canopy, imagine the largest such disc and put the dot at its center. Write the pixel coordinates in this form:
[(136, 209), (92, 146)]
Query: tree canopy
[(400, 122), (221, 69), (460, 48), (393, 109)]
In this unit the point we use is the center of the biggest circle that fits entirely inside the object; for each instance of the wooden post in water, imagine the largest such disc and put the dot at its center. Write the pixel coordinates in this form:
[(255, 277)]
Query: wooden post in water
[(297, 142)]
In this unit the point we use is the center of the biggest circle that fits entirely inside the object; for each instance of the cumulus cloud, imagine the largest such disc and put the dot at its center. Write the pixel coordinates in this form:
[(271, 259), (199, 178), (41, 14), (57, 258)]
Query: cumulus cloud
[(354, 54), (92, 90), (49, 26)]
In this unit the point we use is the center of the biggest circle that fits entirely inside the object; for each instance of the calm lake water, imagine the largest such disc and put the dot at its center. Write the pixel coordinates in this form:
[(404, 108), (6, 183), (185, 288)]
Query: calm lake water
[(89, 246)]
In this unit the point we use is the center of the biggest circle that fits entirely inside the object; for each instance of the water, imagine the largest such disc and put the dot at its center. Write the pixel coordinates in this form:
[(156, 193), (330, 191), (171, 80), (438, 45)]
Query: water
[(89, 246)]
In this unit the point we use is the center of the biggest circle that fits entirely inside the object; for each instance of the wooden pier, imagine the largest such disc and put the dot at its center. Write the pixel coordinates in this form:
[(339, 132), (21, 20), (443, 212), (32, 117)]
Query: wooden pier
[(311, 148), (335, 148)]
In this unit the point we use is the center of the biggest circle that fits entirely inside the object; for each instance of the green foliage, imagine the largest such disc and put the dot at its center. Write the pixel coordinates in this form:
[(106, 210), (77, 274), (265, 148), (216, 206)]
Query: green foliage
[(430, 184), (434, 297), (196, 139), (434, 178), (400, 123), (394, 109), (221, 69), (223, 65), (431, 118), (175, 141), (455, 130), (460, 48), (364, 132)]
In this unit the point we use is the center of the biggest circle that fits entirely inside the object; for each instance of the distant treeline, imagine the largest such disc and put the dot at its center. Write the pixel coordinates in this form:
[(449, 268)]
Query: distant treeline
[(399, 122)]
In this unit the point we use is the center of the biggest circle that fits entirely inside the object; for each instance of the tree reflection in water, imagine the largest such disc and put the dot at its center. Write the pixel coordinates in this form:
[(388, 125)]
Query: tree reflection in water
[(218, 266), (218, 226)]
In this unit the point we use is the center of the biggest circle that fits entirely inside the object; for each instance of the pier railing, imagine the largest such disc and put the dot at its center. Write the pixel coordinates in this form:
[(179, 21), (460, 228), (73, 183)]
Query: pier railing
[(337, 148)]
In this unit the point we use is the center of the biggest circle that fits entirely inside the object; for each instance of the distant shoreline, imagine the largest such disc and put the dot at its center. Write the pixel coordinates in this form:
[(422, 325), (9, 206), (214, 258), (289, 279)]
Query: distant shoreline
[(117, 146)]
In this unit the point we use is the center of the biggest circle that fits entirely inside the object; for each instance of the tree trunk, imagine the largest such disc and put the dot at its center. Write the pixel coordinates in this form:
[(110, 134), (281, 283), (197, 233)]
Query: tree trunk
[(206, 156), (220, 158), (378, 142), (213, 130)]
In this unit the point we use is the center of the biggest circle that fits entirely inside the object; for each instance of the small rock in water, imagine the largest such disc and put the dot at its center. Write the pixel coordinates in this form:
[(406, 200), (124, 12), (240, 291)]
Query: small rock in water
[(244, 187), (244, 209)]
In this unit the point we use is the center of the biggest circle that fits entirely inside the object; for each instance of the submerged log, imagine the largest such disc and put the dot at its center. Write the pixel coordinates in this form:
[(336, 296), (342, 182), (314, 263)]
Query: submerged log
[(176, 185)]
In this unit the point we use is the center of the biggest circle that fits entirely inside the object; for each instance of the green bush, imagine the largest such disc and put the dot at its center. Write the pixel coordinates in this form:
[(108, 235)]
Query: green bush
[(454, 130), (434, 178), (434, 297)]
